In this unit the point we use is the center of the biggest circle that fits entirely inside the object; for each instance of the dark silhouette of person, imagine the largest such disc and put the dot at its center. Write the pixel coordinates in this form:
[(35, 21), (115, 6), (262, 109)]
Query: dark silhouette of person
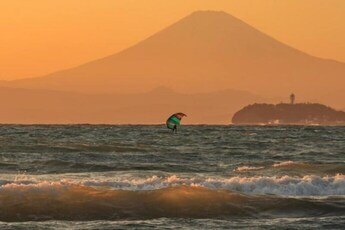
[(174, 130)]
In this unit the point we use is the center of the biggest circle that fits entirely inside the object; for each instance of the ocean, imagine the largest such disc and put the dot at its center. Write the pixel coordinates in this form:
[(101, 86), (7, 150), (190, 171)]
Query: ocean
[(145, 177)]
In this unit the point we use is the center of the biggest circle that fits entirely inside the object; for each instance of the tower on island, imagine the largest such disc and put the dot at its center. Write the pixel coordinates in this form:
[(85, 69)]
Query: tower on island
[(292, 99)]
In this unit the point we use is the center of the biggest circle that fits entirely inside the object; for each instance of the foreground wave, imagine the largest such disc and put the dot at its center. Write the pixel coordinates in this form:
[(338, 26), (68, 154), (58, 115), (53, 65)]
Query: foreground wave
[(69, 201)]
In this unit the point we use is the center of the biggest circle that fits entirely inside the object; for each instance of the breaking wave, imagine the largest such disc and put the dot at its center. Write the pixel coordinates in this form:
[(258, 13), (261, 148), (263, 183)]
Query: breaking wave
[(66, 201), (301, 168), (309, 185), (27, 199), (247, 168), (282, 164)]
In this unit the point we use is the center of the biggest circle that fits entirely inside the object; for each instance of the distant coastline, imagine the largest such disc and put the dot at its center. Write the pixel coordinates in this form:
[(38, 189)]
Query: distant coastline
[(288, 114)]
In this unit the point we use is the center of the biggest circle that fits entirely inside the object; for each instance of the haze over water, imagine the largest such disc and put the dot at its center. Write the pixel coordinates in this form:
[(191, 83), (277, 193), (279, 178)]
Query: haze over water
[(91, 177), (208, 64)]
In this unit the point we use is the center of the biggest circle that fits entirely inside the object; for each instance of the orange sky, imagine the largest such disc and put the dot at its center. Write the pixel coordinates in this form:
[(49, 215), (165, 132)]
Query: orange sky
[(39, 36)]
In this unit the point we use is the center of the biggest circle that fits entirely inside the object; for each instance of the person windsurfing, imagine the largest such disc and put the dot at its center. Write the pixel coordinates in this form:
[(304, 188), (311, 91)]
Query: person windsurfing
[(174, 120), (174, 130)]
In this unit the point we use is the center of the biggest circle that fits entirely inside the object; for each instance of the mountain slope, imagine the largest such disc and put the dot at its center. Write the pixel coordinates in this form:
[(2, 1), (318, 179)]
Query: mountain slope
[(203, 52)]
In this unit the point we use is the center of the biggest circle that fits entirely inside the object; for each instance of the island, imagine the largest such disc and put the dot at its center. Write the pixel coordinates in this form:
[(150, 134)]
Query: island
[(288, 114)]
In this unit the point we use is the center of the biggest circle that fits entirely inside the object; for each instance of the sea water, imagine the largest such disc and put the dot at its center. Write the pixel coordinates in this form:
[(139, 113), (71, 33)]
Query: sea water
[(145, 177)]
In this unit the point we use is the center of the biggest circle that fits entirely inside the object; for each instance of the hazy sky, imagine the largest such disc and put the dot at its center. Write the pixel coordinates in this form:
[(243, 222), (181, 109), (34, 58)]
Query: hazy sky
[(40, 36)]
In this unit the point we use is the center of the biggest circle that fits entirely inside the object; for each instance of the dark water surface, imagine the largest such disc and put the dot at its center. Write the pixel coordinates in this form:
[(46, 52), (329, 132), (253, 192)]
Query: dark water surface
[(208, 177)]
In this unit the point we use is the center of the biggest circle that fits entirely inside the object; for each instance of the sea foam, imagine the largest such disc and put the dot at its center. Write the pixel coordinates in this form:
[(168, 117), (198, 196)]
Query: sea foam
[(309, 185)]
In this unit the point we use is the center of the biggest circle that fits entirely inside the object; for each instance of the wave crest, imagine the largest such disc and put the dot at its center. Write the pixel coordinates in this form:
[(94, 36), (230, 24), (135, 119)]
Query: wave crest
[(309, 185), (247, 168)]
